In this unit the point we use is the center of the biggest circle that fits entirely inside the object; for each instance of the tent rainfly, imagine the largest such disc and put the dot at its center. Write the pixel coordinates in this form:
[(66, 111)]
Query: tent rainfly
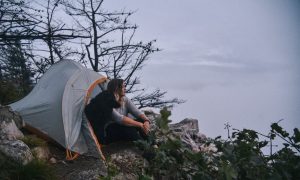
[(55, 107)]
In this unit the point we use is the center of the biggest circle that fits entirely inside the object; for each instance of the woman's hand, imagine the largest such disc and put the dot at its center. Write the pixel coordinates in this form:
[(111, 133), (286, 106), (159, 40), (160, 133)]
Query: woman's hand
[(146, 127)]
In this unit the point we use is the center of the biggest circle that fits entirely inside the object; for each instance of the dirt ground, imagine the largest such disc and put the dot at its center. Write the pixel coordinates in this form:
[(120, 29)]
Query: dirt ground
[(65, 170)]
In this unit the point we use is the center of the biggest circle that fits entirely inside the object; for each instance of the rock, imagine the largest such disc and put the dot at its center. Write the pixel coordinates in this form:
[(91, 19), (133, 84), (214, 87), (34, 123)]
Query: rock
[(7, 114), (187, 130), (122, 176), (155, 146), (9, 134), (92, 174), (10, 123), (41, 152), (125, 159), (17, 150), (9, 130), (52, 160), (186, 126), (128, 161)]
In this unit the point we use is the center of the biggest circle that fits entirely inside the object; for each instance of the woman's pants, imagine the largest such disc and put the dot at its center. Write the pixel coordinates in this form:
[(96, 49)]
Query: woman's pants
[(118, 132)]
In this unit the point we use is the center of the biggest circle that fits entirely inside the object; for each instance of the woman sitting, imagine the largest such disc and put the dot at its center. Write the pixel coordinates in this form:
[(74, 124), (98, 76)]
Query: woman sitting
[(121, 127)]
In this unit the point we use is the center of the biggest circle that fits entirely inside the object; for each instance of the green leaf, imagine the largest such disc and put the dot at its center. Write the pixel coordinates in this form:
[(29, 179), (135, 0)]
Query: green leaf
[(165, 113), (218, 137), (296, 137), (262, 144), (279, 130), (273, 136), (145, 177), (286, 145), (276, 127), (230, 172)]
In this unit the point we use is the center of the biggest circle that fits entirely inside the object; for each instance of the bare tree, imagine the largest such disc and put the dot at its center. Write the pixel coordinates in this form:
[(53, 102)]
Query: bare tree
[(106, 40), (57, 35), (155, 99), (16, 22), (111, 48)]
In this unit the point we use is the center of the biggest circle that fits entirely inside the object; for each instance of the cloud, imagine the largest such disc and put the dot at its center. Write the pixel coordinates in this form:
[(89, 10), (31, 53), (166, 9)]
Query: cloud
[(204, 57)]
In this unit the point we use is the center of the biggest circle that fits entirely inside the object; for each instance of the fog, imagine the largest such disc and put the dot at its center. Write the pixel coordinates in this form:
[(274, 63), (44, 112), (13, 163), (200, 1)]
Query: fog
[(232, 61)]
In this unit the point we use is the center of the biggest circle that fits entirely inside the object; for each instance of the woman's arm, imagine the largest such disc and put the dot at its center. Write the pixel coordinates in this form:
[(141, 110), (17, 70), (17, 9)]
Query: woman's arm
[(128, 121), (137, 113), (132, 109)]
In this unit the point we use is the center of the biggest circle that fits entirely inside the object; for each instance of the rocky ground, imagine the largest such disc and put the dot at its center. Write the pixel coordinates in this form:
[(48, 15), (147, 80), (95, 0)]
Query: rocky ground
[(125, 156), (123, 159), (67, 169)]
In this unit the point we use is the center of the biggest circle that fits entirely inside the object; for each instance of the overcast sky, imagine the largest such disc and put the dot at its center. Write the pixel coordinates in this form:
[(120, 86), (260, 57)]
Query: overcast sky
[(233, 61)]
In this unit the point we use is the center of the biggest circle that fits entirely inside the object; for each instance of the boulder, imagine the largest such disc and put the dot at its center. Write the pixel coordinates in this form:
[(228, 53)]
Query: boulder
[(17, 150), (188, 132), (7, 114), (41, 152), (10, 122), (84, 168), (52, 160), (128, 161), (186, 126), (122, 176), (92, 174), (9, 130)]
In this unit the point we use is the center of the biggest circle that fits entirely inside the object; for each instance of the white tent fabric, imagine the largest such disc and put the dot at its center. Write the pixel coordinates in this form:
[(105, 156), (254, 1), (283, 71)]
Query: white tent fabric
[(55, 105)]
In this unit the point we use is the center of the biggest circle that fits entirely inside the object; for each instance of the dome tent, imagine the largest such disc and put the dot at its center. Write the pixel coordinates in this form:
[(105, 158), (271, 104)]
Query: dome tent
[(55, 106)]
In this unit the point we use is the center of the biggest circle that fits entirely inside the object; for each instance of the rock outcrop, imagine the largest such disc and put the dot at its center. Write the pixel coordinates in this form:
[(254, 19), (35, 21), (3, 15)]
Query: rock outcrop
[(41, 152), (124, 158), (188, 131), (10, 123), (17, 150), (10, 145)]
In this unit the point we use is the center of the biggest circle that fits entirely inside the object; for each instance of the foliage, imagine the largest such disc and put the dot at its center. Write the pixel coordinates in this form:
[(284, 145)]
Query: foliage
[(8, 92), (167, 155), (35, 170), (238, 157), (33, 141), (15, 73), (144, 177)]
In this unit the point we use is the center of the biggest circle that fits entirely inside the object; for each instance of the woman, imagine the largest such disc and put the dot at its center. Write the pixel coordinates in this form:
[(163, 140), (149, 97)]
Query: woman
[(124, 128)]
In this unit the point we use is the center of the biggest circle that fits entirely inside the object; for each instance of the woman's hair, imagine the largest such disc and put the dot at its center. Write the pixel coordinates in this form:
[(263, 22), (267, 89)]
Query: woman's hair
[(115, 86)]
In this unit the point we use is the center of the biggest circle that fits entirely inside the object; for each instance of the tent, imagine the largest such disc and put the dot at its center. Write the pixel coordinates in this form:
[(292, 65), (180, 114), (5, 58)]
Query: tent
[(54, 108)]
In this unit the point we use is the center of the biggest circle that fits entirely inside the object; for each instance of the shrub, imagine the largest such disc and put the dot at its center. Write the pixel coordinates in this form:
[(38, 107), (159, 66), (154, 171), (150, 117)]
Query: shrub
[(35, 170), (33, 141), (238, 157)]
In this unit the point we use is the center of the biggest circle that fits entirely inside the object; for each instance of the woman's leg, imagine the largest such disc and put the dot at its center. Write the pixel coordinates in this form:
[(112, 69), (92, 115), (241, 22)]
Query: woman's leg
[(117, 132)]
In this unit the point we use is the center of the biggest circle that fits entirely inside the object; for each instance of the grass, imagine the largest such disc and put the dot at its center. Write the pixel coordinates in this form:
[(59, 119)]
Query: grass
[(33, 141), (35, 170)]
